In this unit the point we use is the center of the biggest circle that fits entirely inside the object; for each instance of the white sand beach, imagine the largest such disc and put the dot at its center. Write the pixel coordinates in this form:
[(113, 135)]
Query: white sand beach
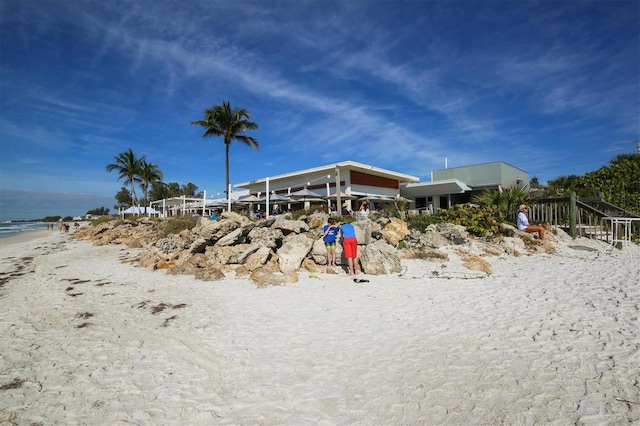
[(88, 338)]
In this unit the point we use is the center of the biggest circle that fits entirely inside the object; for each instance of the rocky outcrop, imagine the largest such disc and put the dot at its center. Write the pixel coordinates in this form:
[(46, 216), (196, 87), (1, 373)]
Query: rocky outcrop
[(272, 251)]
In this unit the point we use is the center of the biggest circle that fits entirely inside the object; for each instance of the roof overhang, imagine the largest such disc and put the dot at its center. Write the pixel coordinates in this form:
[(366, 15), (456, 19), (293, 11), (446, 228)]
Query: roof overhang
[(329, 170), (441, 187)]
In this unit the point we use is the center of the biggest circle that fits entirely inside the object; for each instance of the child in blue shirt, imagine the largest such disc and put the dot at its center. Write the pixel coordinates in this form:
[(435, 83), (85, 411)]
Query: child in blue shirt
[(329, 237)]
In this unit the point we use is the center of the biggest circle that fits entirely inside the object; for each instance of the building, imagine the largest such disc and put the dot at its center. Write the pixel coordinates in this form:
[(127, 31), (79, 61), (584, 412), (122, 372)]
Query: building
[(457, 185), (354, 180), (448, 186)]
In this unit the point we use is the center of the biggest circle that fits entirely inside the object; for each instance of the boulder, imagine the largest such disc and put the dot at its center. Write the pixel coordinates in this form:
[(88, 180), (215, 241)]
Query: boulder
[(395, 231), (232, 238), (363, 231), (212, 274), (457, 234), (294, 249), (267, 237), (476, 263), (290, 226), (256, 259), (265, 278), (379, 258), (212, 231), (225, 255)]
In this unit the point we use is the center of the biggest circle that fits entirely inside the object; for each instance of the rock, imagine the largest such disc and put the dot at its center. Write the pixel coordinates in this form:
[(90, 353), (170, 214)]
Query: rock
[(395, 231), (267, 237), (294, 249), (199, 260), (506, 229), (290, 226), (457, 234), (425, 254), (257, 259), (170, 244), (224, 255), (363, 231), (212, 231), (379, 258), (317, 220), (476, 263), (184, 269), (234, 217), (264, 278), (514, 246), (232, 238), (319, 252), (209, 275), (311, 266)]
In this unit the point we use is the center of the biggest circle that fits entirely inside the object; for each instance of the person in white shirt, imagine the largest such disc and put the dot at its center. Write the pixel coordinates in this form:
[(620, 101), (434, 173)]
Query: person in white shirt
[(523, 222)]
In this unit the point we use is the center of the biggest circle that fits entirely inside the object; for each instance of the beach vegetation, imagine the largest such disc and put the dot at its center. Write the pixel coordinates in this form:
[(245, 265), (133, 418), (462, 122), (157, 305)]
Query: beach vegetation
[(177, 224), (618, 183), (103, 219), (230, 124), (396, 208), (478, 220), (421, 222), (506, 200)]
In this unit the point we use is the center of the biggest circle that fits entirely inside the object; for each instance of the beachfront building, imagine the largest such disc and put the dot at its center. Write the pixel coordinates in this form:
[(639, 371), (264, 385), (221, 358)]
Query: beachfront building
[(354, 181), (457, 185)]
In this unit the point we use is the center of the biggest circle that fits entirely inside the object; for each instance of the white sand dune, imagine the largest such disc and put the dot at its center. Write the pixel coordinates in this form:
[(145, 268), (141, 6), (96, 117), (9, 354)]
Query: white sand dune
[(87, 338)]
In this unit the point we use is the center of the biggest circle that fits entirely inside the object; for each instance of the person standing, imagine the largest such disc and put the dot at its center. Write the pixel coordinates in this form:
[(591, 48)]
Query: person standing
[(329, 237), (523, 222), (350, 247)]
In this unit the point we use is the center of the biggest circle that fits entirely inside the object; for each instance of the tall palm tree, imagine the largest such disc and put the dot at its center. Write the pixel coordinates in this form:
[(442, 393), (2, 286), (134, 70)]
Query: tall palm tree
[(128, 168), (149, 174), (221, 120)]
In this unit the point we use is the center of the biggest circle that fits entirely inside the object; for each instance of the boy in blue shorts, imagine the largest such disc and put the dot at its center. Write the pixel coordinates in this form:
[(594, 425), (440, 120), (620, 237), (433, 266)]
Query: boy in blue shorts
[(329, 237)]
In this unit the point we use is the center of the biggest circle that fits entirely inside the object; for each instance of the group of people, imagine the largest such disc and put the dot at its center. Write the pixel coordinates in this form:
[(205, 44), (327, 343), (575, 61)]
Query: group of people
[(347, 235)]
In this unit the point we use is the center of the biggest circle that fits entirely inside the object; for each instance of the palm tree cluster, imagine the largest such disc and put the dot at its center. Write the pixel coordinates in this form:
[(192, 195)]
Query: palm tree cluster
[(136, 171)]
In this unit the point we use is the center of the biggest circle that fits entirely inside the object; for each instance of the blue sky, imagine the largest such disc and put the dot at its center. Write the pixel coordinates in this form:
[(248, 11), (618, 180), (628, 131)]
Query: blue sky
[(552, 87)]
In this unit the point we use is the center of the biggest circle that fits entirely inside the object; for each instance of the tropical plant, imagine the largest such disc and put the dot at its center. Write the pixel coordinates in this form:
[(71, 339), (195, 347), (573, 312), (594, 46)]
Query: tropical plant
[(189, 190), (149, 173), (128, 168), (506, 199), (221, 120), (480, 221)]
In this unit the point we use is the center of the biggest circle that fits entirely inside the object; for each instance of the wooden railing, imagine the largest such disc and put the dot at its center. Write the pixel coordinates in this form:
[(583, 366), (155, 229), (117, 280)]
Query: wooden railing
[(579, 216)]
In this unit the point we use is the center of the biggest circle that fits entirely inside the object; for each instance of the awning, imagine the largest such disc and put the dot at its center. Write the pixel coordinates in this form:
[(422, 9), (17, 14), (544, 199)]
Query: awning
[(441, 187)]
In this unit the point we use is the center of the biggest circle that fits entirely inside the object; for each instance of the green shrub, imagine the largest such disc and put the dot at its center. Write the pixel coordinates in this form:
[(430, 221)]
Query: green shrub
[(480, 221), (103, 219), (422, 221), (175, 224)]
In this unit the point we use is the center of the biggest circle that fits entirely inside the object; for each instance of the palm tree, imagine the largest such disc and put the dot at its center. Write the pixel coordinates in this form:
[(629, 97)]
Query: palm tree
[(128, 168), (505, 199), (149, 174), (189, 190), (221, 120)]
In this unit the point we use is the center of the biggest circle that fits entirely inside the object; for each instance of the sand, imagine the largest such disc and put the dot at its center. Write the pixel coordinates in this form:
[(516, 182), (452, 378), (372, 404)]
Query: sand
[(88, 338)]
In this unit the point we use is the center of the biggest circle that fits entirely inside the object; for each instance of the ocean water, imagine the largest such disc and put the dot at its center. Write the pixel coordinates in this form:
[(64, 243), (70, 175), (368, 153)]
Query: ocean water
[(8, 229)]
